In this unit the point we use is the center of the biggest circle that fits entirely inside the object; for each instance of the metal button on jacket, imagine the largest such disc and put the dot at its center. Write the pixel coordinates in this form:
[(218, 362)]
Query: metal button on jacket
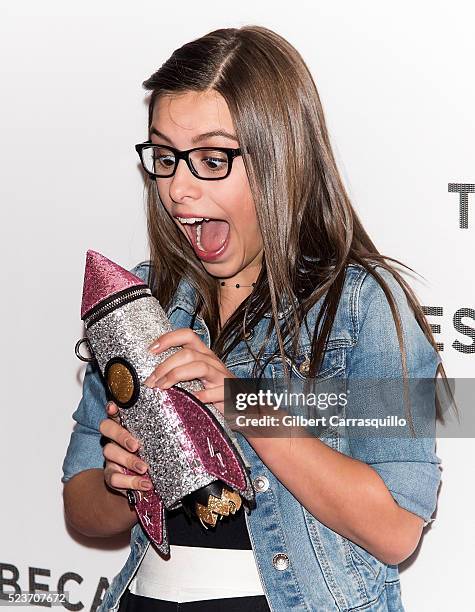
[(260, 484), (304, 367), (280, 561), (248, 335)]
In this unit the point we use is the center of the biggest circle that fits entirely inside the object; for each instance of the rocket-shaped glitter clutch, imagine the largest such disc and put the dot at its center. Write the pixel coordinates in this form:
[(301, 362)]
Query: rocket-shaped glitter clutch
[(192, 456)]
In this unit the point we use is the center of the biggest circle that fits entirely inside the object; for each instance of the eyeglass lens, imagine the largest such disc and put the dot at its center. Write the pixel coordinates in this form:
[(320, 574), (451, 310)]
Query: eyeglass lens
[(207, 163)]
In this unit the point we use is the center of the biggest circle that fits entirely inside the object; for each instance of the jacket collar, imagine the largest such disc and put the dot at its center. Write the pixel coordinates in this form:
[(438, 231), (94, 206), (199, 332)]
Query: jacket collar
[(184, 297)]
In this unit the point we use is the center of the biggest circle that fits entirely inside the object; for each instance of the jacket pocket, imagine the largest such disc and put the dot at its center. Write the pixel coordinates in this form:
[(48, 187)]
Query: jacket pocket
[(353, 577), (367, 563), (333, 364), (242, 366)]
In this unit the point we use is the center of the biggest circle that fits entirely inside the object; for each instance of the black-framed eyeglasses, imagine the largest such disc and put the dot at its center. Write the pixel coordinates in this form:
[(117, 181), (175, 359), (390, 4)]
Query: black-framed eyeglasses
[(206, 163)]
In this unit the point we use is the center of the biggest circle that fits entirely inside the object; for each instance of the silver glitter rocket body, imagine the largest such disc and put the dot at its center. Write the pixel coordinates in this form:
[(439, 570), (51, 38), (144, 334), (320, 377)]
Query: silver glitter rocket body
[(188, 446)]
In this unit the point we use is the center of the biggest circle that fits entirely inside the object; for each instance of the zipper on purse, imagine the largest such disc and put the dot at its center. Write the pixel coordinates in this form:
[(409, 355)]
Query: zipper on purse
[(115, 301)]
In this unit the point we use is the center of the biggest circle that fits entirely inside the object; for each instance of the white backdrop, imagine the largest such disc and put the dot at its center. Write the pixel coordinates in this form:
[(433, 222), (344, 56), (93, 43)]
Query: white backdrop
[(396, 81)]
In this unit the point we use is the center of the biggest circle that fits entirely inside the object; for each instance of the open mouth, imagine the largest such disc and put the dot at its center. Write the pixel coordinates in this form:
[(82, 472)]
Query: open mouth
[(208, 236)]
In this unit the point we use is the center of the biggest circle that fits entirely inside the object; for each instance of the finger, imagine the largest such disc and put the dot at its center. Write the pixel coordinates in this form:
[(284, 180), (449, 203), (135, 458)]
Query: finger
[(112, 430), (183, 336), (114, 452), (113, 411), (198, 369), (116, 479), (210, 395), (180, 358), (109, 469)]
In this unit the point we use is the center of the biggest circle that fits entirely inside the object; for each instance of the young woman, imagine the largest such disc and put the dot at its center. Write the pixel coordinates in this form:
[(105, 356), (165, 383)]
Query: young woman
[(264, 268)]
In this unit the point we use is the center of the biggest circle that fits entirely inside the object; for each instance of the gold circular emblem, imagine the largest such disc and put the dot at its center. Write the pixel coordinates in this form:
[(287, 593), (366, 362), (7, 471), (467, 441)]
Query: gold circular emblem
[(120, 382)]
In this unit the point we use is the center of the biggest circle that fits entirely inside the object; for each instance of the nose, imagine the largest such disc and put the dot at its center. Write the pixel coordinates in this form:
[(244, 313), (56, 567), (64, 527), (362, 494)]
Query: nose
[(183, 184)]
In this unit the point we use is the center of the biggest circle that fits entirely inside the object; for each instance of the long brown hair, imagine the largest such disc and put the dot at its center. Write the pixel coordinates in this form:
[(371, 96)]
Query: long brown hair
[(294, 178)]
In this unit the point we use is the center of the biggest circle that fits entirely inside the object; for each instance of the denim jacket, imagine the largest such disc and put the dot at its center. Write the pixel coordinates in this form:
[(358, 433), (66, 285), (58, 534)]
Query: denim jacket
[(303, 564)]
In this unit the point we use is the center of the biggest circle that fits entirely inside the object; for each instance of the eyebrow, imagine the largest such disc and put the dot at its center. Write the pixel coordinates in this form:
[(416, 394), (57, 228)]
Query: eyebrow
[(198, 138)]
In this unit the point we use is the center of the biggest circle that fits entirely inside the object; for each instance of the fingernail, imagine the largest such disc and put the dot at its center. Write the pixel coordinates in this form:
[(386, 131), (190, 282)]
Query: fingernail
[(154, 346), (130, 444), (140, 467), (146, 484)]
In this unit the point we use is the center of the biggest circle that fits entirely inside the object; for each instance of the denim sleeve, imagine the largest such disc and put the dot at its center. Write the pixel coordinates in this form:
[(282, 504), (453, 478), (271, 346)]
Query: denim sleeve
[(408, 465), (85, 446), (85, 449)]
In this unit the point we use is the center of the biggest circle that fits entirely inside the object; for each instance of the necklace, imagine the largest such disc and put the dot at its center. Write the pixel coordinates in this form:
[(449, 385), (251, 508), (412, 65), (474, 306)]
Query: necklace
[(237, 285)]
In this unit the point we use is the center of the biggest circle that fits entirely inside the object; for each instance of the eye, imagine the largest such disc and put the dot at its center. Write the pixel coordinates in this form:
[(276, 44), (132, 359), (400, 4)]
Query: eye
[(164, 160), (209, 161), (214, 163)]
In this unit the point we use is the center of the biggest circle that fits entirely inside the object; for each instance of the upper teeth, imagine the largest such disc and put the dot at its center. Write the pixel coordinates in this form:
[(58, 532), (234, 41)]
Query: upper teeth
[(191, 219)]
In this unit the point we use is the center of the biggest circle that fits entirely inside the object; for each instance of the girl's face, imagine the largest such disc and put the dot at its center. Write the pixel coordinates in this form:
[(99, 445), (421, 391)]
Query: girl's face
[(231, 241)]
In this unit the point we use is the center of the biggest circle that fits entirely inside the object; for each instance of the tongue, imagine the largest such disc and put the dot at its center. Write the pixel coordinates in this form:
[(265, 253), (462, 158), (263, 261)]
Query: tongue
[(213, 234)]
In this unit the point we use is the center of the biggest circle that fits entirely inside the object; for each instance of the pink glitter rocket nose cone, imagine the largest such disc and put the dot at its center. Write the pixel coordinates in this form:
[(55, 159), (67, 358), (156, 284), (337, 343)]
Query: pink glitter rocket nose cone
[(103, 278)]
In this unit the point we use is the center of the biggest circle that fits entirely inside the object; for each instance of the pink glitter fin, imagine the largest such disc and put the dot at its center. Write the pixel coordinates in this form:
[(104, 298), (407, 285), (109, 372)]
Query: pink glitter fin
[(211, 443), (102, 279), (150, 510)]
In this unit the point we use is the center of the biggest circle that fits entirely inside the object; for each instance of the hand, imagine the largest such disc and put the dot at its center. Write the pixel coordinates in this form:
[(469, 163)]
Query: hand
[(119, 453), (195, 360)]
